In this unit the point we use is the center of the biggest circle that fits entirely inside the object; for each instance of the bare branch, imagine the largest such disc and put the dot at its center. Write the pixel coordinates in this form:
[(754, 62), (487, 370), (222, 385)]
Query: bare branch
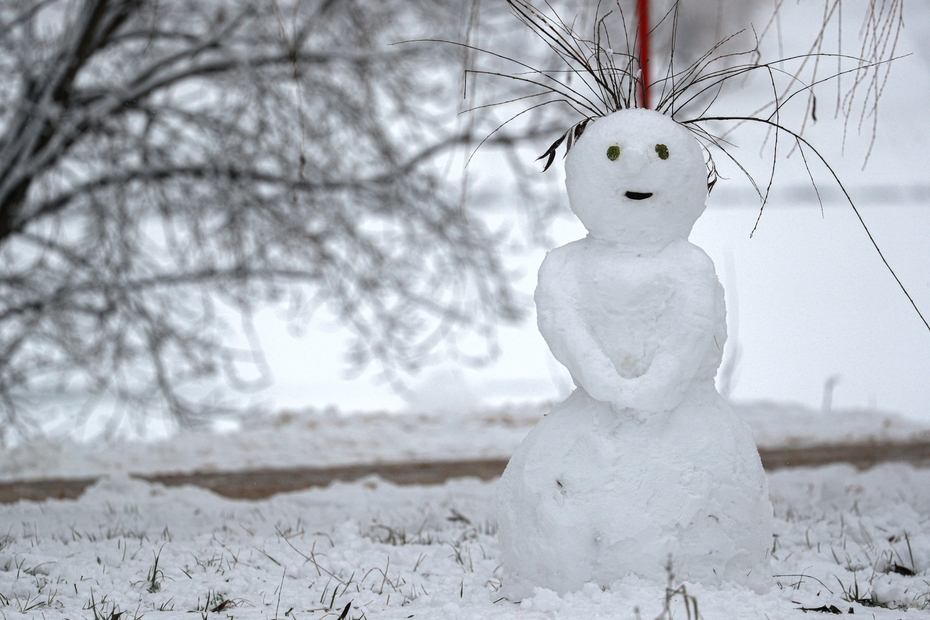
[(163, 171)]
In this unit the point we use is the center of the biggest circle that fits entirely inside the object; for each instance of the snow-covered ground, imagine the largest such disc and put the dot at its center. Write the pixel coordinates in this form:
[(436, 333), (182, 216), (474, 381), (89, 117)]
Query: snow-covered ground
[(312, 438), (421, 551), (844, 539)]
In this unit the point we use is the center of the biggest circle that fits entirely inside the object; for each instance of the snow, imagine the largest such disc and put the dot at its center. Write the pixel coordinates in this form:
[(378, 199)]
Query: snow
[(430, 552), (591, 496), (314, 438), (827, 521), (309, 438), (784, 425)]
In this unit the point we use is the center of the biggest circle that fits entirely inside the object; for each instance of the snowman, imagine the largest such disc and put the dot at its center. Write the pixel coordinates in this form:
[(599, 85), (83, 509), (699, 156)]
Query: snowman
[(644, 461)]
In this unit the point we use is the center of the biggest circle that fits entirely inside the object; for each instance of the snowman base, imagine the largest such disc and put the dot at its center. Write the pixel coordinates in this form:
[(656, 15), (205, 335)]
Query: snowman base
[(593, 495)]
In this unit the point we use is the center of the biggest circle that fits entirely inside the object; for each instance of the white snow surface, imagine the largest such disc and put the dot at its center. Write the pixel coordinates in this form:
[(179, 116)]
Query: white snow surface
[(396, 552), (431, 552), (321, 438), (308, 438)]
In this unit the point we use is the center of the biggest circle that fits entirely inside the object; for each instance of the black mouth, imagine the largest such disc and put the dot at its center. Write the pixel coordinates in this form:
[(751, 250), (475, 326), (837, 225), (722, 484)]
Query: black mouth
[(638, 195)]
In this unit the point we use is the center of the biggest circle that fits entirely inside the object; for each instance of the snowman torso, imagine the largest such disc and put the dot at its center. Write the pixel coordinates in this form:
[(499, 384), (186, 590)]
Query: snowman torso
[(635, 305)]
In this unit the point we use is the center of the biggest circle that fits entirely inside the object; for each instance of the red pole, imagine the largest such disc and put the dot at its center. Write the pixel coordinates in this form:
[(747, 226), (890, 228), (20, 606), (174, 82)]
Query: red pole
[(643, 10)]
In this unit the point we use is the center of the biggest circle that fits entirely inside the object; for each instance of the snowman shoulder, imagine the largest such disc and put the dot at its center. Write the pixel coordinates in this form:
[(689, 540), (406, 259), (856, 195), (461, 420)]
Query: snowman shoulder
[(561, 263), (690, 258)]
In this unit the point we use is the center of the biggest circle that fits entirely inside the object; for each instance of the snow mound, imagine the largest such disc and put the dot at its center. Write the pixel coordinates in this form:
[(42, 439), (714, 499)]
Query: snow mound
[(783, 425), (308, 438)]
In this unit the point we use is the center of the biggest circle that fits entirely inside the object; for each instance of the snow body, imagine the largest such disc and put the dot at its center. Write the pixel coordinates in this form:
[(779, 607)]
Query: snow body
[(645, 460)]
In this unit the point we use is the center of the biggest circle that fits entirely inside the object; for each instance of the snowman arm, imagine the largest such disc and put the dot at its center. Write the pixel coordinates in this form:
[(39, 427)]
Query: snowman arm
[(572, 345), (681, 351), (675, 365), (567, 334)]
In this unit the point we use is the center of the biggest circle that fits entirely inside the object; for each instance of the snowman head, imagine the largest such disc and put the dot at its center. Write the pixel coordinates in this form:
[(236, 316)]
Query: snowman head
[(637, 178)]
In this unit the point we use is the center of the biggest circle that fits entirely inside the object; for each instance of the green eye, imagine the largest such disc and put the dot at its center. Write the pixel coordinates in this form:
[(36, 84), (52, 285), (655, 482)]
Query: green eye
[(661, 151), (613, 152)]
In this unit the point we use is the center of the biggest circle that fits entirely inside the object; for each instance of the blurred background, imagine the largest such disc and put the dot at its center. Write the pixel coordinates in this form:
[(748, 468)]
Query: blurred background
[(211, 209), (813, 311)]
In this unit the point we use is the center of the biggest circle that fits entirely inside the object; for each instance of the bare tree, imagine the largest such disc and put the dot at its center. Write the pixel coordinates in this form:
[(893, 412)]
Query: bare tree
[(163, 162)]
